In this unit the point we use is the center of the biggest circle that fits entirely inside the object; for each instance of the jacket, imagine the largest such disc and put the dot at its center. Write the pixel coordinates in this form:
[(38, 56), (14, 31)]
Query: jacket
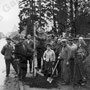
[(20, 50), (7, 51), (30, 47), (49, 55)]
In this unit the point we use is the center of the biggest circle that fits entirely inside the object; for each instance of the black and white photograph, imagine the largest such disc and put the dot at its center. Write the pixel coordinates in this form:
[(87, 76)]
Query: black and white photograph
[(44, 44)]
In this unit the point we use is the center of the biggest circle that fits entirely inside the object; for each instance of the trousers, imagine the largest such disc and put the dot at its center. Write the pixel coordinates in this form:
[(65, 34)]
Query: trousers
[(22, 67), (8, 62)]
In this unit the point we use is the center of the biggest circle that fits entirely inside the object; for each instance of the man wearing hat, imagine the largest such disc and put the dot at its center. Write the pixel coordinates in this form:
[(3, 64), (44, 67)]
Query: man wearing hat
[(30, 49), (64, 62), (7, 51), (72, 47), (20, 53)]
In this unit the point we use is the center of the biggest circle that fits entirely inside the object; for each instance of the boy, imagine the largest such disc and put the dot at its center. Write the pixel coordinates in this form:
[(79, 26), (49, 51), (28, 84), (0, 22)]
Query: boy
[(49, 58)]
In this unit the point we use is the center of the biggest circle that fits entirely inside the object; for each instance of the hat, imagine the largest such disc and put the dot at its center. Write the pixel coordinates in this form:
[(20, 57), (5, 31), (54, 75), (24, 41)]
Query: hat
[(28, 35), (70, 39), (80, 38), (21, 37), (64, 40), (48, 44), (8, 38)]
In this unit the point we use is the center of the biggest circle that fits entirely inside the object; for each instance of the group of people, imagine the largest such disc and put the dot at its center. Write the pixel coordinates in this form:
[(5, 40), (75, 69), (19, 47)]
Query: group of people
[(71, 56), (18, 54)]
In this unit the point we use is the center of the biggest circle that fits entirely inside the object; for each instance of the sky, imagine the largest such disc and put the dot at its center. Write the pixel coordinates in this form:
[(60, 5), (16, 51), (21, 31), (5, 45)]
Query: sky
[(9, 19)]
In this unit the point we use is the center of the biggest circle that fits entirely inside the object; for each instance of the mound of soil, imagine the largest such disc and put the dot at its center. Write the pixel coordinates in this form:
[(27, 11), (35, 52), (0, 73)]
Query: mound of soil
[(41, 82)]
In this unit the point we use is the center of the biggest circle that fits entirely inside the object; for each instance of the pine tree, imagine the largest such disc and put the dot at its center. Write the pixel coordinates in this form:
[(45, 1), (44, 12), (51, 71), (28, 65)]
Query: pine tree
[(63, 14)]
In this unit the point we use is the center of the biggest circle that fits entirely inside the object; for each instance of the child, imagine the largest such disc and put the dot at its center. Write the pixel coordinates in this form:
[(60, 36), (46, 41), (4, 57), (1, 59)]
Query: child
[(49, 58)]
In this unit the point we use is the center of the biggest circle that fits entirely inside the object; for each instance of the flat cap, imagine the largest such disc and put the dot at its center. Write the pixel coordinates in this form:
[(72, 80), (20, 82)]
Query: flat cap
[(48, 44), (64, 40)]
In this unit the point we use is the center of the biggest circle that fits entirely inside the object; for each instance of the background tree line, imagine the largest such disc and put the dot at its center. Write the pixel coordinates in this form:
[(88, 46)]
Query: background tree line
[(62, 15)]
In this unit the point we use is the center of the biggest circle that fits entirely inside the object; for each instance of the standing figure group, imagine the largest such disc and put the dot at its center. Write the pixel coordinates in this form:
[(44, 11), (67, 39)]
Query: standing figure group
[(71, 58), (7, 51), (18, 55)]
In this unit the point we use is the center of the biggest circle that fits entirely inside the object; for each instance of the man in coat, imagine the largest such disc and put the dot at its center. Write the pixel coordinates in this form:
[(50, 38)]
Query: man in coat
[(30, 49), (63, 56), (72, 47), (7, 51), (20, 54)]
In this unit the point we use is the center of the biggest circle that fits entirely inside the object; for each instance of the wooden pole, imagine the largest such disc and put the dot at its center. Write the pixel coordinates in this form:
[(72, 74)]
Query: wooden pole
[(35, 53)]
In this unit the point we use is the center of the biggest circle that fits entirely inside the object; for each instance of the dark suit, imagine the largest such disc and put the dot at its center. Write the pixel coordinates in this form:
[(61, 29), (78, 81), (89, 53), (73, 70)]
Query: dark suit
[(7, 52), (20, 53), (30, 48)]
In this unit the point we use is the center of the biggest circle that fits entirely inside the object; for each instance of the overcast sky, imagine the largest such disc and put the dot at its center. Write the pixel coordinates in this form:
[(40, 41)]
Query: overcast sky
[(8, 15)]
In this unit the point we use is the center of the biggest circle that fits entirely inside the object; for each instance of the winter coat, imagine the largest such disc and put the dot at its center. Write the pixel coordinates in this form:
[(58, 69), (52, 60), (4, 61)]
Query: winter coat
[(20, 50), (7, 51), (29, 46)]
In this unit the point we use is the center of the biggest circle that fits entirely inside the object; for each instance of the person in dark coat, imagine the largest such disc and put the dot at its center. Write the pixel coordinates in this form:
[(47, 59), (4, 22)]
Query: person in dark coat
[(20, 53), (56, 46), (7, 51), (30, 49), (71, 57), (41, 42)]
